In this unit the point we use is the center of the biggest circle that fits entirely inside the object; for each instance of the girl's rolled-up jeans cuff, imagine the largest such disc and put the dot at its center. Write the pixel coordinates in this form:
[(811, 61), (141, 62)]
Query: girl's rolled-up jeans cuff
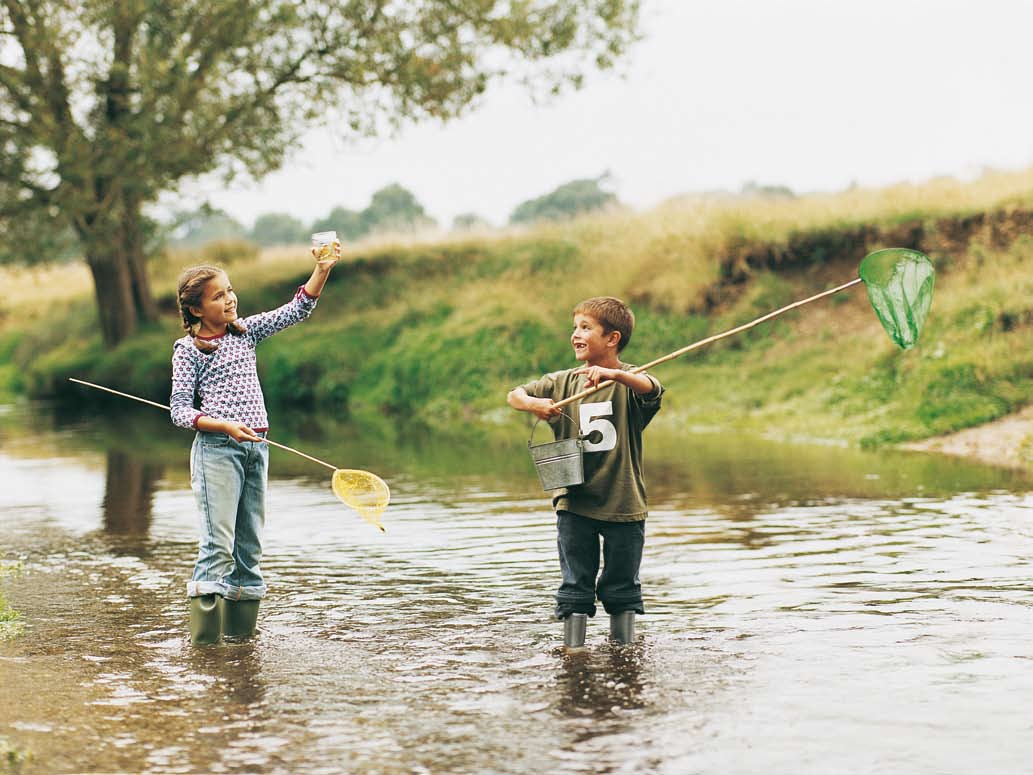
[(228, 591)]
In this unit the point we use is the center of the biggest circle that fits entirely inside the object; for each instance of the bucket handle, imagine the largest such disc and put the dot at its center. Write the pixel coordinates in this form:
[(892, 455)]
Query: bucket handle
[(579, 435)]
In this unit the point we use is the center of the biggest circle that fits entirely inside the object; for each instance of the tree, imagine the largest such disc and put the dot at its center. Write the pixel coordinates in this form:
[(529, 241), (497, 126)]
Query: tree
[(570, 199), (753, 188), (394, 209), (106, 104), (279, 229), (206, 224), (347, 223), (469, 222)]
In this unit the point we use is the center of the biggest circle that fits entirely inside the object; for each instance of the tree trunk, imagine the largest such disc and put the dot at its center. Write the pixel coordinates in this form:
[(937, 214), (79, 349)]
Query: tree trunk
[(116, 259), (132, 242), (113, 287)]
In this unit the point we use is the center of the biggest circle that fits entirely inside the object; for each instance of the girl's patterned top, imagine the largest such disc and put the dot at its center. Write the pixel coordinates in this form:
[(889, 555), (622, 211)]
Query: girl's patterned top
[(226, 381)]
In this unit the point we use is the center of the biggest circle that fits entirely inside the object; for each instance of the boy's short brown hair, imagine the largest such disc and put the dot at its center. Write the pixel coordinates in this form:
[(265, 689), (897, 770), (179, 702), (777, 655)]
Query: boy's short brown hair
[(612, 313)]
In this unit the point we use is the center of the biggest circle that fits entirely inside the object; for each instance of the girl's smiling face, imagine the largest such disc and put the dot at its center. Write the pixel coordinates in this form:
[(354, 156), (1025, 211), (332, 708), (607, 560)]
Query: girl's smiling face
[(218, 306), (591, 342)]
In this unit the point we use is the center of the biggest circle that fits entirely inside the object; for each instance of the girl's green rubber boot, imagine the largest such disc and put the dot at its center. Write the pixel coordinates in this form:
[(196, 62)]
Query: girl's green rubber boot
[(240, 618), (206, 613)]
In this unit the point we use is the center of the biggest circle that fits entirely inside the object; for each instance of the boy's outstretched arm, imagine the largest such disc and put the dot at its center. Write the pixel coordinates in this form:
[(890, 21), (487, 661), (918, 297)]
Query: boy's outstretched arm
[(542, 408), (321, 271)]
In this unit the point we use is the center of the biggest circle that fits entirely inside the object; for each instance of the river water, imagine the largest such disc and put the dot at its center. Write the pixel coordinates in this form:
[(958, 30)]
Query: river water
[(810, 609)]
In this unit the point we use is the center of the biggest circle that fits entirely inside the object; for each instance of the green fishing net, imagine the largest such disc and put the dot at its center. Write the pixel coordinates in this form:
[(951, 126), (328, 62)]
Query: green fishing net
[(900, 288)]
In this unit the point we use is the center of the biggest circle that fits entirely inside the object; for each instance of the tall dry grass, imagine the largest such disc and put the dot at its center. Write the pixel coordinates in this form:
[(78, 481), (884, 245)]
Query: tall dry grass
[(671, 254)]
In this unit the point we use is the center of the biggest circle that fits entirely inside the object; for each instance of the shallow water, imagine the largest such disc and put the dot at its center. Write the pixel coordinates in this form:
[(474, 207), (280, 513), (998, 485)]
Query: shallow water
[(810, 610)]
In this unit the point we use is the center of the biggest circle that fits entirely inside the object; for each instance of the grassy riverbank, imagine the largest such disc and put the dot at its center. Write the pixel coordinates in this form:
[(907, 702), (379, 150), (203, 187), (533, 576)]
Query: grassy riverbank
[(10, 619), (433, 333)]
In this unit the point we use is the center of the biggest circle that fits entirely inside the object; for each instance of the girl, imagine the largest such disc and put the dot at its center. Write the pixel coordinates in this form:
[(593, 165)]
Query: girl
[(215, 390)]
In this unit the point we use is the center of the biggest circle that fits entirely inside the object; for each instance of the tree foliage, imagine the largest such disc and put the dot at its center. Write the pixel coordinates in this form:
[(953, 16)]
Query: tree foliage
[(107, 104), (391, 209), (205, 224), (767, 191), (279, 229), (394, 209), (347, 223), (469, 222), (570, 199)]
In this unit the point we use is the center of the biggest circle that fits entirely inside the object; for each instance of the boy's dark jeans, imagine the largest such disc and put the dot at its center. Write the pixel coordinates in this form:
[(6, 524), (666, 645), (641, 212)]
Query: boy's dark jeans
[(618, 586)]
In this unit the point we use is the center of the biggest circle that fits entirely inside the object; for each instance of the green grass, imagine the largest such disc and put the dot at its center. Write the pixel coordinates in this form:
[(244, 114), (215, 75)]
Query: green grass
[(433, 334), (12, 757), (11, 624)]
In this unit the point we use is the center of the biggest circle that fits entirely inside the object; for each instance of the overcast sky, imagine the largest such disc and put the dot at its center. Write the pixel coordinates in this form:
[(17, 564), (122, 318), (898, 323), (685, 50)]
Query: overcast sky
[(813, 94)]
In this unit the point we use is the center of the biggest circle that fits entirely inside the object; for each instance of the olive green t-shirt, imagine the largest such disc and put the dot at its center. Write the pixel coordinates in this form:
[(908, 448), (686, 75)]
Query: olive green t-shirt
[(612, 420)]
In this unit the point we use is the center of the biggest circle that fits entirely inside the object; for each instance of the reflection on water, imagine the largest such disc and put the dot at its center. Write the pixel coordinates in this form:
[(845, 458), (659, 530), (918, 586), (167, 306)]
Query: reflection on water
[(598, 685), (128, 492), (810, 610)]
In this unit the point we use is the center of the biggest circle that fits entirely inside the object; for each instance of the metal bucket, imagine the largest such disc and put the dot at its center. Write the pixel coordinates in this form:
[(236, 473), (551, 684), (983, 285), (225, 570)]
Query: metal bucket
[(558, 463)]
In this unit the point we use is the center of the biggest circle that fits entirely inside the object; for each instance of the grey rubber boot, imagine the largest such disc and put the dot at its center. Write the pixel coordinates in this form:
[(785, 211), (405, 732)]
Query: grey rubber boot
[(622, 627), (240, 618), (206, 619), (574, 630)]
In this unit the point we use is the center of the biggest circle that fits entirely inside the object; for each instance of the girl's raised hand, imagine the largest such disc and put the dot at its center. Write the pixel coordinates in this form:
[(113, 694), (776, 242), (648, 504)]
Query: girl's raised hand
[(327, 262)]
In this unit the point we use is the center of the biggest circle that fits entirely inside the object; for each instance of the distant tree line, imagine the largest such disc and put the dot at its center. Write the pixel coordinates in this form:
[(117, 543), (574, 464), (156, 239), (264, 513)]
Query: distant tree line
[(395, 210), (392, 209), (567, 201)]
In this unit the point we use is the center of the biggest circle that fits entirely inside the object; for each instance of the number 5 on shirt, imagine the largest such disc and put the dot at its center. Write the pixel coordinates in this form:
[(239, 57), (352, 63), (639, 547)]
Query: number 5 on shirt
[(591, 418)]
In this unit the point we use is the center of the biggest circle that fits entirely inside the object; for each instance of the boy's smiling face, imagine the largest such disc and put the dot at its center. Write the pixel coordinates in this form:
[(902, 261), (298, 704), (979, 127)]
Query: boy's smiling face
[(591, 342)]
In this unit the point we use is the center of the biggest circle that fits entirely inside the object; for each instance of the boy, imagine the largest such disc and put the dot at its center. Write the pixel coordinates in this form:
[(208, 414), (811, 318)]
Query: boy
[(611, 503)]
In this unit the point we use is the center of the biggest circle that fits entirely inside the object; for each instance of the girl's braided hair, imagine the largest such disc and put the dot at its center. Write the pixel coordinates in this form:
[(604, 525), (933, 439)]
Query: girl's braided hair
[(191, 292)]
